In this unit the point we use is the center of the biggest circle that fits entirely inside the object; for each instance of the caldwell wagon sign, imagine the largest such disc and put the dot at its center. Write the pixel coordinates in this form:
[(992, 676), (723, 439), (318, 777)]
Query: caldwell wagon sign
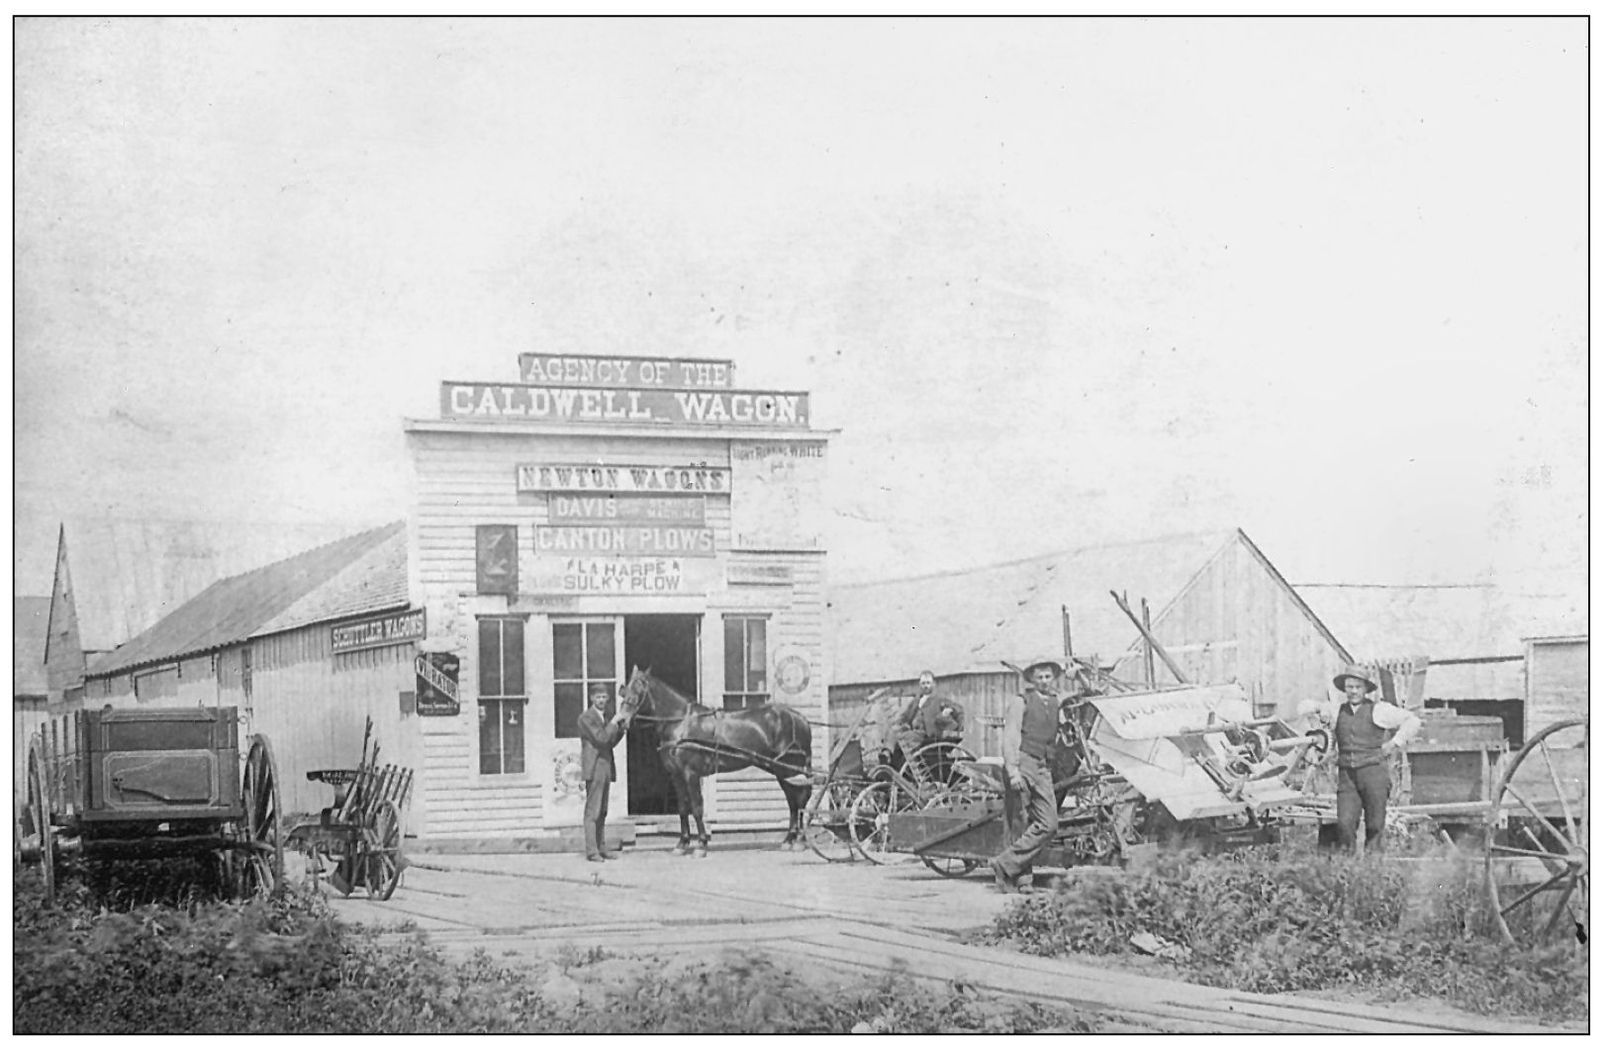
[(651, 406)]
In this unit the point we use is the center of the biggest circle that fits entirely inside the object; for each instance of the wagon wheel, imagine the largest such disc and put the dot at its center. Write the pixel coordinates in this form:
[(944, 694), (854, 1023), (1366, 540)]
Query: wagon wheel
[(382, 851), (945, 865), (828, 822), (263, 862), (1544, 799), (870, 819), (37, 824), (931, 765)]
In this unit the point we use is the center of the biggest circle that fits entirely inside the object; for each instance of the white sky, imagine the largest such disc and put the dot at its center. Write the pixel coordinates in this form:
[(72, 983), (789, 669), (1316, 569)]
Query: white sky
[(1058, 282)]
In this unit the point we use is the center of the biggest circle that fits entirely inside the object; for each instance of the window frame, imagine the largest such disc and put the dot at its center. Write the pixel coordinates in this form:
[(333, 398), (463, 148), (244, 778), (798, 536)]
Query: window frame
[(504, 698), (743, 696)]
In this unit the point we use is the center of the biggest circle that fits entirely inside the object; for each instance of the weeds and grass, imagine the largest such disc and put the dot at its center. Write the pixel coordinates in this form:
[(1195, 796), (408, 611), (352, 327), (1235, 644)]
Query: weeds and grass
[(1269, 920), (107, 960)]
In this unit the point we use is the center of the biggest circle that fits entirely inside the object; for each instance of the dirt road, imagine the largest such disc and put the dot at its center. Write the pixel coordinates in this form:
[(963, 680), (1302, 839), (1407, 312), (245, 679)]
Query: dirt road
[(853, 918)]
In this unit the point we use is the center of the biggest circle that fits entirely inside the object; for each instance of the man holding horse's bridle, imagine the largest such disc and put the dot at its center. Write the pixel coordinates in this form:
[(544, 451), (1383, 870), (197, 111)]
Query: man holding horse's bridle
[(1028, 736), (599, 737)]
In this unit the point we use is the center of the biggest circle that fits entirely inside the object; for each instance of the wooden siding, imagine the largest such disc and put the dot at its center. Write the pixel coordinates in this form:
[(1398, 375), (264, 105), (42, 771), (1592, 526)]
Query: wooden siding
[(1558, 679), (1235, 622), (309, 704), (465, 479), (983, 697)]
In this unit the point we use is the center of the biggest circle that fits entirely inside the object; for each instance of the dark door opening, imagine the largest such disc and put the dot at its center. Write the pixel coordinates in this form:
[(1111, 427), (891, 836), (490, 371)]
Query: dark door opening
[(669, 648)]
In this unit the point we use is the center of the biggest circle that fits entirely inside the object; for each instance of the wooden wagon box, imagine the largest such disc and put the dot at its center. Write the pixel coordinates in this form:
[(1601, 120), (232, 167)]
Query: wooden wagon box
[(173, 763), (1455, 758)]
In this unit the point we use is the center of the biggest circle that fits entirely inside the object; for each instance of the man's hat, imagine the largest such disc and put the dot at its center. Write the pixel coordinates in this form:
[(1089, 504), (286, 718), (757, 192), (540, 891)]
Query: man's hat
[(1358, 673), (1057, 668)]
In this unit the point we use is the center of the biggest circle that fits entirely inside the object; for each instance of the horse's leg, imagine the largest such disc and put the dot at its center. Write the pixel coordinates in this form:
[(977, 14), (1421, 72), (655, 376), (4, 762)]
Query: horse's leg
[(796, 797), (681, 789), (696, 794)]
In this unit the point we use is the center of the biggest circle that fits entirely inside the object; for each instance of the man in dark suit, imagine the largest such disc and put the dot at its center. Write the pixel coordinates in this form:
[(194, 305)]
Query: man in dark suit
[(927, 719), (599, 737)]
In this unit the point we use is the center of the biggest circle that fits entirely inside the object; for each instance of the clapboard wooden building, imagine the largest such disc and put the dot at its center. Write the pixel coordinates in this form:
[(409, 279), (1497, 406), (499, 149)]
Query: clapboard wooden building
[(307, 648), (596, 514), (1215, 601)]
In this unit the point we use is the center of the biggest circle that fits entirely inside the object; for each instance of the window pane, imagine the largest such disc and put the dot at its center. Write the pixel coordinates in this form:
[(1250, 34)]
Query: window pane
[(732, 701), (756, 665), (601, 651), (567, 708), (514, 657), (513, 719), (487, 710), (733, 654), (568, 650), (488, 652)]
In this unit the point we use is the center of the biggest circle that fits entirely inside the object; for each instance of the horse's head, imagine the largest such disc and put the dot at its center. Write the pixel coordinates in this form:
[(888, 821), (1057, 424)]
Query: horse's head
[(636, 693)]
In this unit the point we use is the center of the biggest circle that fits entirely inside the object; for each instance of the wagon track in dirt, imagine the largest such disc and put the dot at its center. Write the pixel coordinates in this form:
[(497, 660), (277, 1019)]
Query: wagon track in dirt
[(840, 919)]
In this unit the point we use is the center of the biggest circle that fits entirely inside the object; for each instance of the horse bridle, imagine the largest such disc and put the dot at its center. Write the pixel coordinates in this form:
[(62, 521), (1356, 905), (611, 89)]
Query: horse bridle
[(694, 709)]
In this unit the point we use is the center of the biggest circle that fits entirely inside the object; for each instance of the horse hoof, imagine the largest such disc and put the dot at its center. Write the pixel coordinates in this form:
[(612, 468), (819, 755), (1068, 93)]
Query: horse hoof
[(682, 850), (703, 852)]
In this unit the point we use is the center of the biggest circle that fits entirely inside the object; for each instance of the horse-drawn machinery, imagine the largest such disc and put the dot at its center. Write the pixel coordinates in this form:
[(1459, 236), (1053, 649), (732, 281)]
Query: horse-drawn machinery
[(147, 783), (358, 840), (1130, 769)]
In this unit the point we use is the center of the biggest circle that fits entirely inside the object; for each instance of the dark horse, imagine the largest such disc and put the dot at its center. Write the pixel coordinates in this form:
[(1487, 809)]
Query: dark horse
[(696, 741)]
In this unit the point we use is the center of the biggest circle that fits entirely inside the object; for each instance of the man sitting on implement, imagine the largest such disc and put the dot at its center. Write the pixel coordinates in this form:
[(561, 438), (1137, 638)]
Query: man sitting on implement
[(930, 718)]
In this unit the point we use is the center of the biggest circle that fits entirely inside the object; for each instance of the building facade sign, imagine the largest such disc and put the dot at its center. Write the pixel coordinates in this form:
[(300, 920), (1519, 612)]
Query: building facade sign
[(596, 509), (497, 560), (621, 478), (595, 574), (778, 496), (604, 406), (759, 574), (625, 371), (436, 684), (396, 629), (637, 540)]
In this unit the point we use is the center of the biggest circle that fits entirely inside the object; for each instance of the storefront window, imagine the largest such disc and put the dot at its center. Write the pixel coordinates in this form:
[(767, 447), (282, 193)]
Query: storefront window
[(501, 709), (744, 661), (584, 655)]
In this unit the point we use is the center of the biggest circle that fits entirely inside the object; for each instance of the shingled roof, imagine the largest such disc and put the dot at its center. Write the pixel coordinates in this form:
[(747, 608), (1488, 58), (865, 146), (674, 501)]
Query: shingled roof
[(969, 621), (128, 573), (367, 572)]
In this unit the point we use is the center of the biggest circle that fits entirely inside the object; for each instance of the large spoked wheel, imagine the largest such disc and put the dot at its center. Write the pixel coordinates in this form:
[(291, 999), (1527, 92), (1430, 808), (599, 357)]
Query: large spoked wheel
[(383, 859), (947, 866), (934, 764), (870, 820), (828, 822), (263, 860), (37, 838), (1538, 838)]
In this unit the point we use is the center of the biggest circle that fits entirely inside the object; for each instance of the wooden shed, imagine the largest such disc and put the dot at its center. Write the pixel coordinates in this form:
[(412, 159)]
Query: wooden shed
[(115, 578), (1221, 609), (1557, 670), (306, 647)]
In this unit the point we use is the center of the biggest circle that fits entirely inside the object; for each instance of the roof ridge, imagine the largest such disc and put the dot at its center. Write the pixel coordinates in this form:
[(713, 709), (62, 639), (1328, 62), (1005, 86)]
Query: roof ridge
[(1050, 555)]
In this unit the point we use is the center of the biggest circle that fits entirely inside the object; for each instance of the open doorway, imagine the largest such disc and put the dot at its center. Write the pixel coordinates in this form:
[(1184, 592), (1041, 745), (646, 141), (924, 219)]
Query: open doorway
[(669, 648)]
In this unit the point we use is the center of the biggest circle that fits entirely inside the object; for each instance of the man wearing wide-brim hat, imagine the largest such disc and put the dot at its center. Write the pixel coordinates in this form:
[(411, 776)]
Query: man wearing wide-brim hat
[(1028, 736), (1368, 733)]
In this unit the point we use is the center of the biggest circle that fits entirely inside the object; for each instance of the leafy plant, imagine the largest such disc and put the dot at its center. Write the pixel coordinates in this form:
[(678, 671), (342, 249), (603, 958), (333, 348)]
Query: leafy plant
[(1270, 920)]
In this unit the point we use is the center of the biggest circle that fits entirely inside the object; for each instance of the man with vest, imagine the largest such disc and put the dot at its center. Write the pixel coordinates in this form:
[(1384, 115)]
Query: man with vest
[(1369, 733), (1028, 737), (599, 737)]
